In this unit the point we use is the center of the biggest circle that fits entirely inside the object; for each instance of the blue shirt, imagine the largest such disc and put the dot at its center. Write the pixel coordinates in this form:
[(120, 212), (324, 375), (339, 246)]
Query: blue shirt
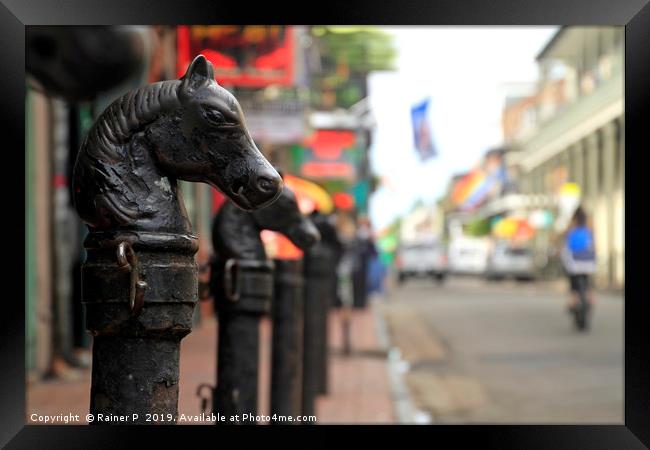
[(580, 239)]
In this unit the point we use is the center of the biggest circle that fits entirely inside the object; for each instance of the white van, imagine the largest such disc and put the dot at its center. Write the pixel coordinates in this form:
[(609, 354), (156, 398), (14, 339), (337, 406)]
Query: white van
[(468, 255), (422, 259)]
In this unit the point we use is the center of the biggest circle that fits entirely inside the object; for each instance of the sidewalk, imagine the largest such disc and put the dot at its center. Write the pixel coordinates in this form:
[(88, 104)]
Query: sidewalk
[(359, 387), (360, 390)]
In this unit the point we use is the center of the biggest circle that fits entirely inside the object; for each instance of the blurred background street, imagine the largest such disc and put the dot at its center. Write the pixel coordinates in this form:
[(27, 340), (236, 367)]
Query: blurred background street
[(479, 352)]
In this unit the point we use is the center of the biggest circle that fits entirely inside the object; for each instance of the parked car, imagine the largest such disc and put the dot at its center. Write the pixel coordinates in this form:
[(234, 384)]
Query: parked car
[(468, 256), (507, 260), (422, 259)]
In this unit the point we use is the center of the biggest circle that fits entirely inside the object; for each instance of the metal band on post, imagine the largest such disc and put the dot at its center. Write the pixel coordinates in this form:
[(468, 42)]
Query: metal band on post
[(248, 285), (137, 331)]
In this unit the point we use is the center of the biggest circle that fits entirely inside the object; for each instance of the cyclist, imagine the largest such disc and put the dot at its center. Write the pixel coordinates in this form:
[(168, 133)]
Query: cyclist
[(579, 257)]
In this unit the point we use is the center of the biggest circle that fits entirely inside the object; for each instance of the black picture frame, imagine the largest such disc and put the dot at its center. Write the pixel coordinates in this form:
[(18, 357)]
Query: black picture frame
[(633, 14)]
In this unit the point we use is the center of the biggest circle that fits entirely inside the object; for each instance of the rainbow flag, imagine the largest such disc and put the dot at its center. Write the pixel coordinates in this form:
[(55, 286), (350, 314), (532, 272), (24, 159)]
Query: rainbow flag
[(473, 188), (467, 187)]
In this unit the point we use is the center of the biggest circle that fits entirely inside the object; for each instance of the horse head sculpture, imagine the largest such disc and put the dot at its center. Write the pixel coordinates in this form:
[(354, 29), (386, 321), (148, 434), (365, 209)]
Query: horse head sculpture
[(325, 223), (191, 129), (236, 233)]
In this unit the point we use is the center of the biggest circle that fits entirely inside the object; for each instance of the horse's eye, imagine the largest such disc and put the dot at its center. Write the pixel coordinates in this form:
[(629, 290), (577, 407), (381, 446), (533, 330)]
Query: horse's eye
[(214, 117)]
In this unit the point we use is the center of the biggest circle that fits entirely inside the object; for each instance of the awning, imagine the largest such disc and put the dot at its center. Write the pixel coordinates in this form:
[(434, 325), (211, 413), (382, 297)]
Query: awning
[(310, 195)]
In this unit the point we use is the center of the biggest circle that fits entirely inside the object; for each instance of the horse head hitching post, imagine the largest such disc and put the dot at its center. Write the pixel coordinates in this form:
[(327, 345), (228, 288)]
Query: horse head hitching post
[(320, 264), (243, 287), (139, 280)]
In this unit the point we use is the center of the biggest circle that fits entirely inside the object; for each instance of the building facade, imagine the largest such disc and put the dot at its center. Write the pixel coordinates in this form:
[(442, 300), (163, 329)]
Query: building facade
[(577, 135)]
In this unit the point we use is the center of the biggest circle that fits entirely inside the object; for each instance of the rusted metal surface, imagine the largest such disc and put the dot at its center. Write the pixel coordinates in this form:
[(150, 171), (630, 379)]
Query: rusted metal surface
[(139, 281), (242, 283)]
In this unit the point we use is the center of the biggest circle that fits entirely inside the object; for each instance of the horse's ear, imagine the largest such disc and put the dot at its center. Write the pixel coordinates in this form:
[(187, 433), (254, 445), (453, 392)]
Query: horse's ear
[(198, 73)]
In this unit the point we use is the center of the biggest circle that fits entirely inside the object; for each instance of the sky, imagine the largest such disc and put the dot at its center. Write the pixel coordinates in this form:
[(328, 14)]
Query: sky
[(466, 72)]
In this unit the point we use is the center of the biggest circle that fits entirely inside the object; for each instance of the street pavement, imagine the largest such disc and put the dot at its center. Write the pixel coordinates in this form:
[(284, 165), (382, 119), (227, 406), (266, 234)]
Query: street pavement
[(506, 352)]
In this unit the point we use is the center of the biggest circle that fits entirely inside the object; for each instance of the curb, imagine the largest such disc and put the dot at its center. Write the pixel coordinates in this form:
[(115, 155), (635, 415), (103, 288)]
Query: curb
[(405, 412)]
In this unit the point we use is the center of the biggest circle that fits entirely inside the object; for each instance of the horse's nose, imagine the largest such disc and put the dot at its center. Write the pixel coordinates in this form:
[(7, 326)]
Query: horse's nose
[(314, 235), (267, 186), (309, 234), (311, 238)]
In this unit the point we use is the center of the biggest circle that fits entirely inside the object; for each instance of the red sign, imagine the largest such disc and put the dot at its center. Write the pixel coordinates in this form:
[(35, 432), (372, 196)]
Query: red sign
[(328, 144), (328, 154), (251, 56), (328, 169)]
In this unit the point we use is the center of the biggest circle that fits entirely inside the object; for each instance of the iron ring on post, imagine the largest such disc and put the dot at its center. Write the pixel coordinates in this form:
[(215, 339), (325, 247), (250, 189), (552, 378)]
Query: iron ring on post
[(127, 260), (204, 399), (229, 280)]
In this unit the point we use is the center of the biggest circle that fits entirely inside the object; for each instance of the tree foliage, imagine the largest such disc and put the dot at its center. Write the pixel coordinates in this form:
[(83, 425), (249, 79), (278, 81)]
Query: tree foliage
[(347, 55)]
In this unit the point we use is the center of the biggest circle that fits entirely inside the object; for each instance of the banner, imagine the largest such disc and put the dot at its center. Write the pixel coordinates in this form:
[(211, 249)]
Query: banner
[(422, 136)]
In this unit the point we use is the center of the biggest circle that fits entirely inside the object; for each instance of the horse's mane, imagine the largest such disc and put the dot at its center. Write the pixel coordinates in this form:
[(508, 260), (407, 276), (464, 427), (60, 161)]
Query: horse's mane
[(126, 115), (108, 198)]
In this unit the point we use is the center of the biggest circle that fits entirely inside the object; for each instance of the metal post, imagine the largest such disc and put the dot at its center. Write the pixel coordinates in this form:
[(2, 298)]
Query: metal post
[(346, 324), (331, 241), (318, 264), (243, 285), (139, 281), (248, 286), (286, 356), (359, 276), (140, 290), (328, 302)]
